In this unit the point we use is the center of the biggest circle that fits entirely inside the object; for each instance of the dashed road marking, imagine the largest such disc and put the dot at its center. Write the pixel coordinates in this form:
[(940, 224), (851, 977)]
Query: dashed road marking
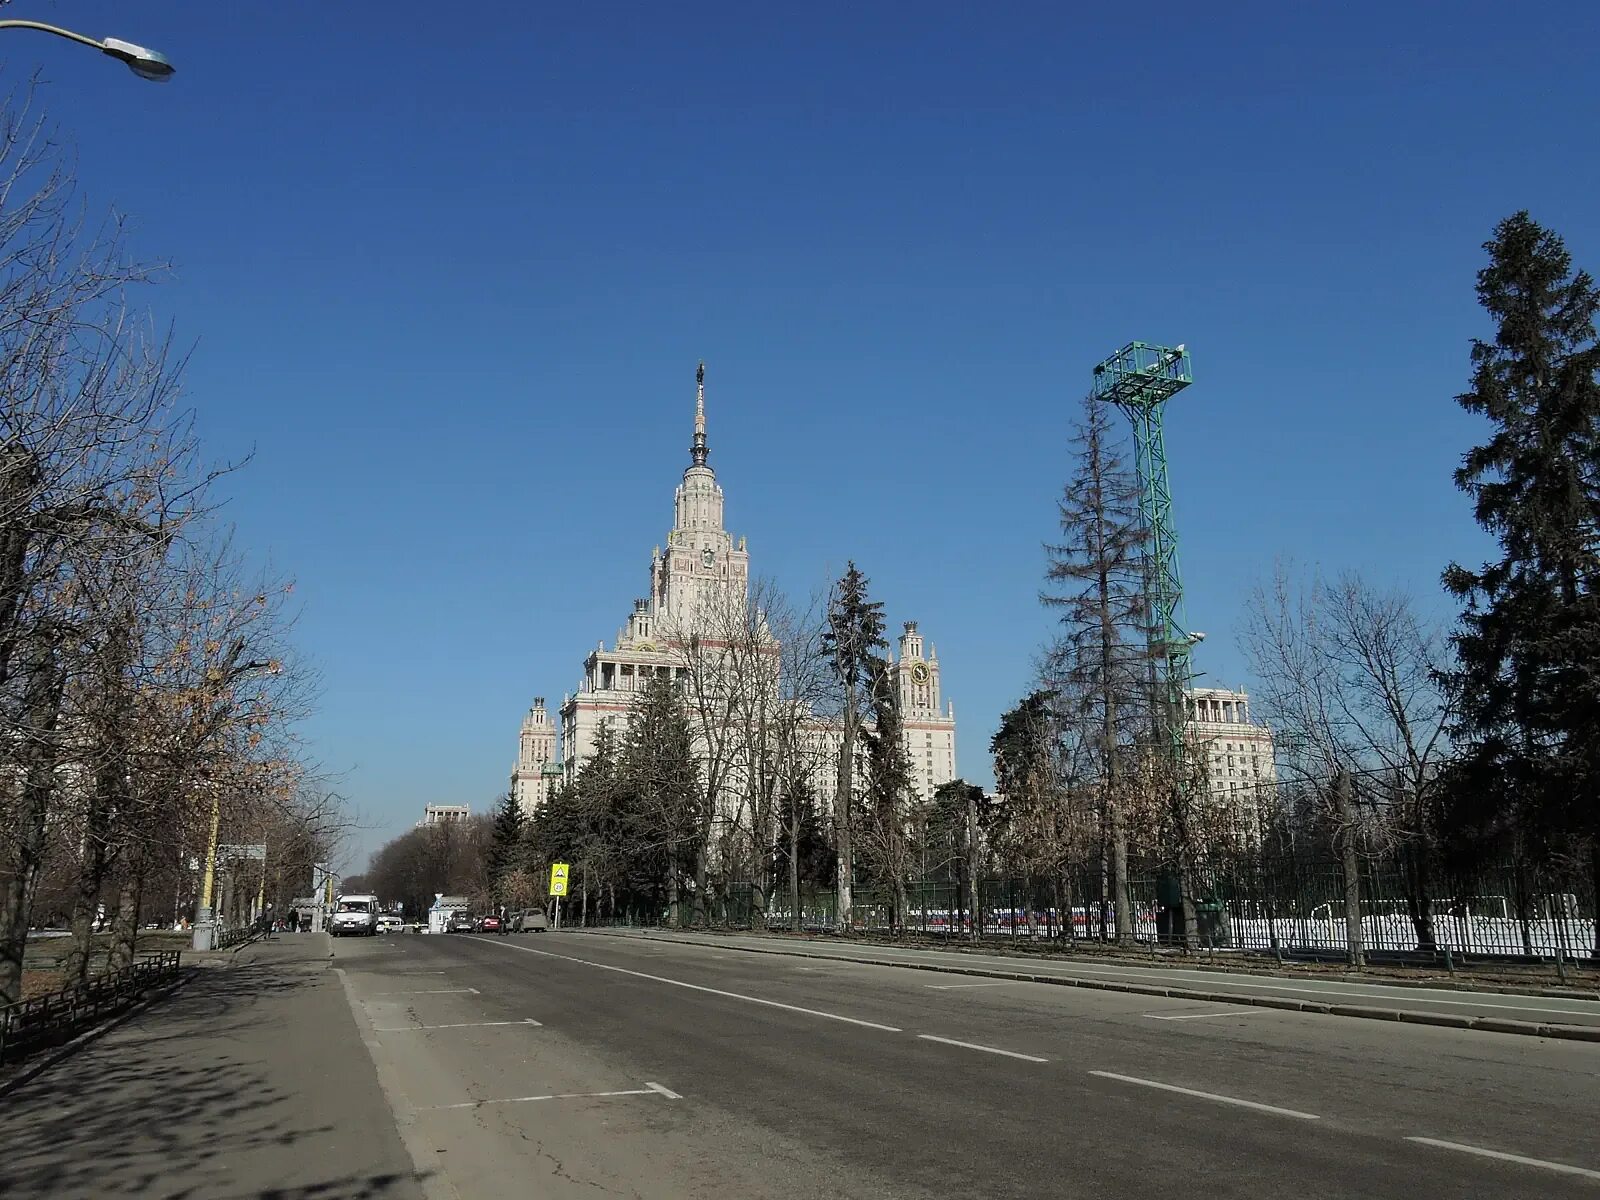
[(1183, 1091), (457, 1025), (697, 987), (1563, 1168), (928, 1037)]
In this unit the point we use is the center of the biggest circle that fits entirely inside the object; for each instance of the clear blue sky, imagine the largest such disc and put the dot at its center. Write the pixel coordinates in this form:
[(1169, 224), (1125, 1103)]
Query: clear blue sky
[(448, 276)]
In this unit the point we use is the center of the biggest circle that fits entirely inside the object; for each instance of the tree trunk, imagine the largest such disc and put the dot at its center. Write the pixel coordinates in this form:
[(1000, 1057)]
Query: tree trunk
[(1419, 899), (842, 819), (1594, 891), (1119, 877), (794, 867), (702, 876), (974, 898), (25, 846), (90, 885), (125, 922), (1345, 814), (674, 919)]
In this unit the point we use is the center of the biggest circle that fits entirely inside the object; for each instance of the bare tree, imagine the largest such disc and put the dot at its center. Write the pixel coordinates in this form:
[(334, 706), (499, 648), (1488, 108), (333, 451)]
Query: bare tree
[(1349, 677), (1097, 582)]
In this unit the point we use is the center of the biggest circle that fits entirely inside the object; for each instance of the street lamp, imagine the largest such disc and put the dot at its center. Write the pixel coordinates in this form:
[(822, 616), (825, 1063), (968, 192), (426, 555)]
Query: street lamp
[(145, 63)]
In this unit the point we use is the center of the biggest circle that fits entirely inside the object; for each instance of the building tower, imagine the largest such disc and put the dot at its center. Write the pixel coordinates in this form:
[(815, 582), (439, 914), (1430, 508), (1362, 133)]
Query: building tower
[(701, 563), (930, 735), (536, 759)]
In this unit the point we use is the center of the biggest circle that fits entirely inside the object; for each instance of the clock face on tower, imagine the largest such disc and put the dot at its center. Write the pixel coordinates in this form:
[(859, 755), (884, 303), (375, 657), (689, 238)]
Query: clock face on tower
[(919, 673), (707, 557)]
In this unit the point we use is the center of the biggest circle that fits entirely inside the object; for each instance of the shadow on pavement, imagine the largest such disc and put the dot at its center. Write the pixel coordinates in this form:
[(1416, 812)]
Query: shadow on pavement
[(248, 1082)]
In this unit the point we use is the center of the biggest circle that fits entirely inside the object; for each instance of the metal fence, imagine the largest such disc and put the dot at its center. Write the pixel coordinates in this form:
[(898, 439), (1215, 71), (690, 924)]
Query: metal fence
[(1287, 907), (44, 1021)]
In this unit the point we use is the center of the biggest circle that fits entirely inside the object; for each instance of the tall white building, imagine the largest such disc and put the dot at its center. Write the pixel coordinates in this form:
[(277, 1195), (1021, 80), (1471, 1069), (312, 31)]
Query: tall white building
[(538, 769), (1240, 769), (701, 575)]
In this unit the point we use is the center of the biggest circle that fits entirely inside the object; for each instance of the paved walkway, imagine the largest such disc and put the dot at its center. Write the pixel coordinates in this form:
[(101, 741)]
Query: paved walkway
[(249, 1081)]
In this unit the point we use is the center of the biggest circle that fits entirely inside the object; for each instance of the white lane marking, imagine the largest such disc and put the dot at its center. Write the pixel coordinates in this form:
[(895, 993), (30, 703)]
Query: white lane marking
[(928, 1037), (810, 1012), (424, 992), (1501, 1154), (665, 1091), (645, 1091), (459, 1025), (950, 987), (1232, 1012), (1183, 1091)]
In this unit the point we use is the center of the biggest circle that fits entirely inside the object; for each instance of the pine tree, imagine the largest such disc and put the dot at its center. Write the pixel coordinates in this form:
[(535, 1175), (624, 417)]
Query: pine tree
[(1095, 577), (660, 775), (853, 638), (1528, 650), (505, 847)]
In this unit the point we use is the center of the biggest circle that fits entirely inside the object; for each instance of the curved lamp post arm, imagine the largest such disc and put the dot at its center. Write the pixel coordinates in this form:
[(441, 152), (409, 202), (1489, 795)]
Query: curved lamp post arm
[(143, 62)]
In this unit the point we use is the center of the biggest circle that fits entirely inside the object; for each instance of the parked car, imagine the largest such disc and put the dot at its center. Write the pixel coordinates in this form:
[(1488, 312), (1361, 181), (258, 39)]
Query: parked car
[(531, 921), (389, 923), (460, 922), (489, 924)]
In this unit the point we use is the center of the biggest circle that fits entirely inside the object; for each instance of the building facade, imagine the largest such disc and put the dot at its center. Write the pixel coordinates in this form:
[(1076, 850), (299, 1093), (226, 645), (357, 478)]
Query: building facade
[(1238, 757), (698, 605), (439, 814)]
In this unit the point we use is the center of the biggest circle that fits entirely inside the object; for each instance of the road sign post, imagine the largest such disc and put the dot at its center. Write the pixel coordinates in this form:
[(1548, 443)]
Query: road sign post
[(558, 887)]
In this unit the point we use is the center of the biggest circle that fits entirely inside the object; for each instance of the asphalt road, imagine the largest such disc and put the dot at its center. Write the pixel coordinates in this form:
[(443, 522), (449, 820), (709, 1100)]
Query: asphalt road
[(576, 1064)]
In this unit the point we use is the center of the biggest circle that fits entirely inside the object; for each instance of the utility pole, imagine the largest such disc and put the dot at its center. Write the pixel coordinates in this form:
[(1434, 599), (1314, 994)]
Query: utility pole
[(1139, 379)]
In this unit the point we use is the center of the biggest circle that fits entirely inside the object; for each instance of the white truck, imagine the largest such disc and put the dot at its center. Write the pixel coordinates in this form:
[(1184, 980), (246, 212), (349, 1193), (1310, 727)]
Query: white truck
[(354, 915)]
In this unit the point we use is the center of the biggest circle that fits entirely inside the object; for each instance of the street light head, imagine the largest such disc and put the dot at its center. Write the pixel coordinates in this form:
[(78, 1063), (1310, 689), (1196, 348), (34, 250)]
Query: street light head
[(145, 63)]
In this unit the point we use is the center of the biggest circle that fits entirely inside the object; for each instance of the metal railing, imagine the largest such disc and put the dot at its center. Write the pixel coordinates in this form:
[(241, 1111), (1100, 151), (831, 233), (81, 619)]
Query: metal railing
[(42, 1021)]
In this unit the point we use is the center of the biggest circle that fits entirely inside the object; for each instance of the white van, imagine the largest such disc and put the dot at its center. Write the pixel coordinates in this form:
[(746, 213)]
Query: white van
[(354, 915)]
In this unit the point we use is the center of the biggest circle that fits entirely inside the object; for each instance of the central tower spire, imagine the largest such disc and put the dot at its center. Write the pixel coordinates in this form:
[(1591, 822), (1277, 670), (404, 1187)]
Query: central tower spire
[(698, 452)]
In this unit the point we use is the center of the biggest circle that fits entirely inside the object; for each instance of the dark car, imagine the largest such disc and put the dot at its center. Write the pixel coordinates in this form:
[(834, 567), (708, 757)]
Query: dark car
[(460, 922)]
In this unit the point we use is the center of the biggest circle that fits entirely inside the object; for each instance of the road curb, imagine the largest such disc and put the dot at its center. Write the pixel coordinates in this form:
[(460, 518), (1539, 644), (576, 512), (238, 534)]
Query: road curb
[(1578, 1033), (31, 1071)]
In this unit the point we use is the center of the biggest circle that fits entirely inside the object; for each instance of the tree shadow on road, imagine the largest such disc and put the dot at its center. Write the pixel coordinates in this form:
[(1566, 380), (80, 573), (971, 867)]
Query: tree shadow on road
[(224, 1089)]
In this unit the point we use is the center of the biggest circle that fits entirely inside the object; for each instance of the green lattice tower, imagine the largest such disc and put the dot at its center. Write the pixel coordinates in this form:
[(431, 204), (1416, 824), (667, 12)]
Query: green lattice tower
[(1139, 379)]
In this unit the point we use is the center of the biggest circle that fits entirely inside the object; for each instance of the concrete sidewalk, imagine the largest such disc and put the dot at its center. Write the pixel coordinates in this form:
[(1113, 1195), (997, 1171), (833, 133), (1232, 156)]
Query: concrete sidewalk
[(250, 1080)]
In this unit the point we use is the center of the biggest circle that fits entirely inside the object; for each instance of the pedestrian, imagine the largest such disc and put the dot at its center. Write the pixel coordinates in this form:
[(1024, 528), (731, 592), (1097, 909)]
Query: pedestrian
[(266, 922), (505, 920)]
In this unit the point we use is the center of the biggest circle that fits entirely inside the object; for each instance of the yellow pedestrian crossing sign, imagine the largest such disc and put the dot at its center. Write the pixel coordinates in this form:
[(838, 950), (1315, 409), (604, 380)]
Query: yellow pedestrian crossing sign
[(558, 879)]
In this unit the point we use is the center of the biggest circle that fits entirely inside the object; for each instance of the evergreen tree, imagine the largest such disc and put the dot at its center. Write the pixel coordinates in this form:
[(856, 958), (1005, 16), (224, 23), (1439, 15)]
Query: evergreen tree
[(851, 642), (1095, 577), (1528, 649), (505, 846), (660, 776), (888, 780)]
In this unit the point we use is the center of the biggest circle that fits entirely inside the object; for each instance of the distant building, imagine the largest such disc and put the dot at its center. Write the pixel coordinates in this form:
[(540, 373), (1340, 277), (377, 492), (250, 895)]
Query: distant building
[(702, 573), (439, 814), (538, 771), (1238, 756)]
